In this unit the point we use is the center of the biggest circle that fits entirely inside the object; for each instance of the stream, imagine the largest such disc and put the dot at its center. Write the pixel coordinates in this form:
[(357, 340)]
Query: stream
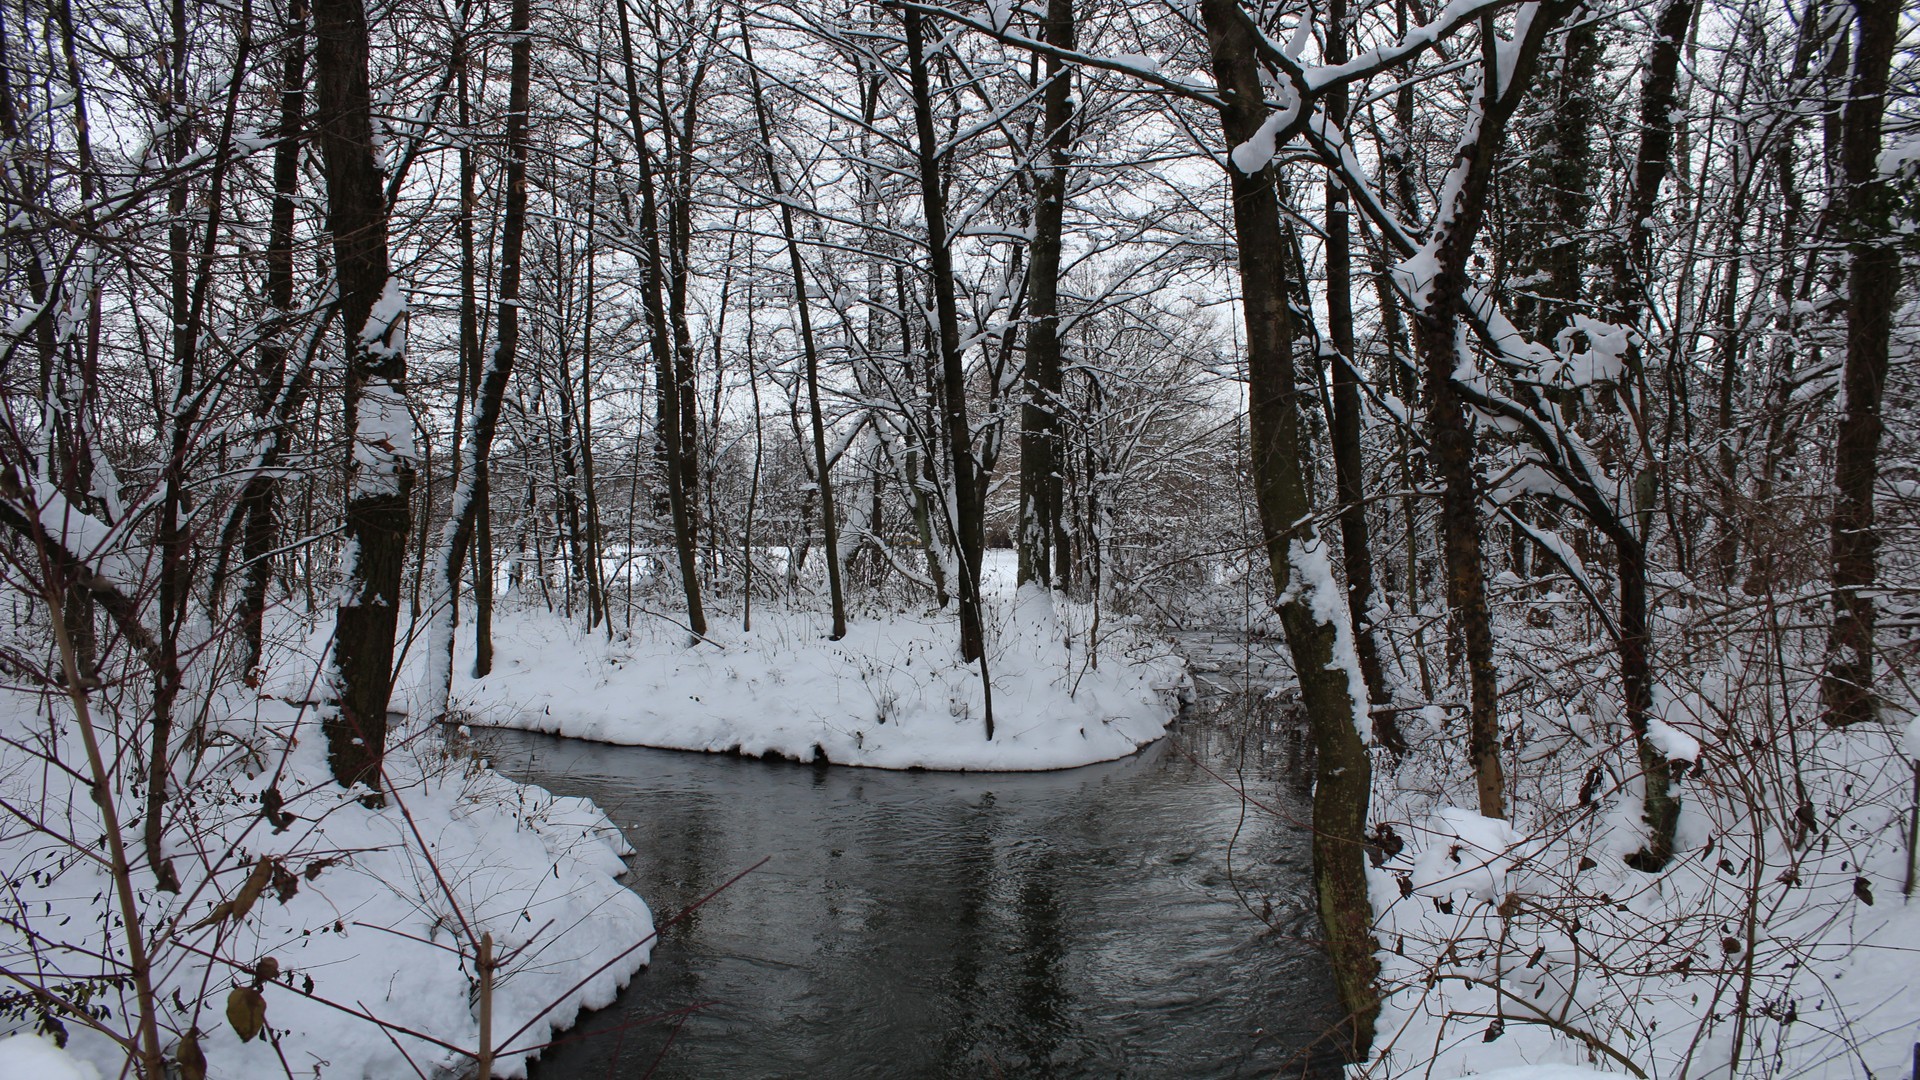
[(1131, 919)]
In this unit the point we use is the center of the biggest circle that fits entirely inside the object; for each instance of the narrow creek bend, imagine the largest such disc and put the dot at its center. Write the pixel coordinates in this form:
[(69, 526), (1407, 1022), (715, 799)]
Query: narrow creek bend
[(1135, 918)]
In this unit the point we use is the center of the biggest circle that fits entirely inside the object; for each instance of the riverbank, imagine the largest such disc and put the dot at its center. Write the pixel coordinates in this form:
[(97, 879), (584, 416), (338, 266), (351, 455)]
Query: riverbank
[(1068, 689), (340, 938)]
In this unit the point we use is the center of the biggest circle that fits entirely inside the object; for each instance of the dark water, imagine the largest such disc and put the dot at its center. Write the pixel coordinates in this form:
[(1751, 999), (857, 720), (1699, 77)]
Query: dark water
[(1136, 918)]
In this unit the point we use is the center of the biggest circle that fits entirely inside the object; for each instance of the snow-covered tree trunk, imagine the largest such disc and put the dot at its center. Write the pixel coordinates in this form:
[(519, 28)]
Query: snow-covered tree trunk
[(1311, 606), (379, 423), (472, 459)]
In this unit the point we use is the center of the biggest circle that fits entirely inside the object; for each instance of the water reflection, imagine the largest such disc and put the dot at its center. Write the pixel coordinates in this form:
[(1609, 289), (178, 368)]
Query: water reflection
[(1106, 921)]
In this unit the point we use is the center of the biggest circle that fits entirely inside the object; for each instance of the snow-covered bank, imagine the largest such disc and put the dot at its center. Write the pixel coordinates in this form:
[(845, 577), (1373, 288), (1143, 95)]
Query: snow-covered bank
[(356, 927), (892, 694), (1775, 943)]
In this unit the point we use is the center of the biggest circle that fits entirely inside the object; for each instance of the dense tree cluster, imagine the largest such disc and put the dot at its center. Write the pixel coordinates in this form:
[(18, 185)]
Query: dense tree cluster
[(1409, 320)]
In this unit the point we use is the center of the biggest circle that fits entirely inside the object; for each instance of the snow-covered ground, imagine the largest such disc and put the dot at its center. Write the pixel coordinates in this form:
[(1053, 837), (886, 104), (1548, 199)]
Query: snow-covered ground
[(361, 931), (1775, 944), (892, 694)]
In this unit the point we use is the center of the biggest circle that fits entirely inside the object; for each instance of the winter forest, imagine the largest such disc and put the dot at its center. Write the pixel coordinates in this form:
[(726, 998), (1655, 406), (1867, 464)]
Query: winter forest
[(1196, 537)]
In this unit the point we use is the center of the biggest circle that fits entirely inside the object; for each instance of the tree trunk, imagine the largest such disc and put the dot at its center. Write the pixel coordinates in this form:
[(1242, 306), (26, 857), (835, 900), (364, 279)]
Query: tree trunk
[(1657, 99), (1660, 808), (969, 525), (472, 461), (596, 565), (1846, 683), (1330, 684), (1356, 546), (260, 534), (822, 468), (670, 415), (1044, 548), (379, 468), (192, 277), (1453, 454), (1436, 326)]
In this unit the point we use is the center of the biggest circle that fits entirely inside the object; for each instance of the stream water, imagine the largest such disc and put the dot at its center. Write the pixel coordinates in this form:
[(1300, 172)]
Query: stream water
[(1136, 918)]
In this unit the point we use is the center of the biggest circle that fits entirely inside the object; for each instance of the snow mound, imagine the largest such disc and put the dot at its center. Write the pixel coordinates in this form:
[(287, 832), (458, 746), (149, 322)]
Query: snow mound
[(32, 1057), (892, 694), (1463, 852)]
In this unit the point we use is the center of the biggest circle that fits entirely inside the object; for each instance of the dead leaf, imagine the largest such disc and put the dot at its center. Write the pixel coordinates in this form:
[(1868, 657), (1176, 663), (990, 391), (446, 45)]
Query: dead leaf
[(219, 914), (285, 882), (243, 901), (256, 884), (247, 1012), (187, 1057)]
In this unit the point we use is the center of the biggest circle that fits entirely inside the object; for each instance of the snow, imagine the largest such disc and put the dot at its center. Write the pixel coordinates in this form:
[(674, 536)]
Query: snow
[(383, 437), (35, 1057), (1313, 572), (1675, 716), (1254, 154), (1505, 943), (1603, 361), (1467, 853), (1899, 154), (82, 535), (1911, 743), (385, 334), (1670, 740), (1139, 62), (372, 914), (892, 694)]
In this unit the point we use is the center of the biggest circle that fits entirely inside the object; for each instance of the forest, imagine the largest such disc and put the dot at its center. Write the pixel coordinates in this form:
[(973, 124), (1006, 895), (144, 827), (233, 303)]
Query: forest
[(1524, 390)]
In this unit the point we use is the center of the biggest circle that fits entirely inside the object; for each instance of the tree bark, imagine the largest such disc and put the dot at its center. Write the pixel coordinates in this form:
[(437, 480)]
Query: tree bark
[(1846, 683), (822, 468), (1356, 547), (379, 467), (1045, 554), (1330, 685), (1658, 95), (260, 496), (969, 524), (472, 462), (1436, 331), (668, 418)]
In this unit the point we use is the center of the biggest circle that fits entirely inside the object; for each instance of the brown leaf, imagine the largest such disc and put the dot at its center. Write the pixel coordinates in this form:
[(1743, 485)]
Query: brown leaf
[(243, 901), (1862, 891), (285, 882), (220, 912), (247, 1012), (191, 1062), (255, 885)]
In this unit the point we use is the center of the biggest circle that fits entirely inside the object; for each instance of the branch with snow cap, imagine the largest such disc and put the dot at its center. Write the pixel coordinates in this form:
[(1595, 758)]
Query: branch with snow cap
[(61, 533)]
